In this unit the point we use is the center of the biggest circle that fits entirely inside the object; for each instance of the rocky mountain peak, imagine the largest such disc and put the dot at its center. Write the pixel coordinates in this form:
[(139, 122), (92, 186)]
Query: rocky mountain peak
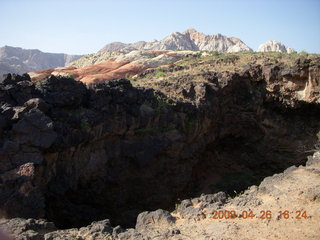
[(190, 39), (193, 33), (191, 30), (275, 46), (115, 46)]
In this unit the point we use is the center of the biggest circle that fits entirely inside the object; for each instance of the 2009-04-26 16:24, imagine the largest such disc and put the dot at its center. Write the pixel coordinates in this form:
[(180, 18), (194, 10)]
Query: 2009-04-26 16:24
[(263, 214)]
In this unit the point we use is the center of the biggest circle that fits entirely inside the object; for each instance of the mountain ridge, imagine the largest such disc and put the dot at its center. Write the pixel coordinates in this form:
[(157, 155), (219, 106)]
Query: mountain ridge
[(190, 39), (19, 60)]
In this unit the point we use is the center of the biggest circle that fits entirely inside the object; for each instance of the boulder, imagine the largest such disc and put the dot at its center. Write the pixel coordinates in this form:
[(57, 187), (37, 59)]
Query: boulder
[(155, 218), (37, 103), (35, 129), (62, 91), (26, 229)]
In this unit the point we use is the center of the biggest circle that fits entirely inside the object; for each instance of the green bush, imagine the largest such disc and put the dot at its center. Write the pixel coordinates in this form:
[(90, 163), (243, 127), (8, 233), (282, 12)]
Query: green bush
[(303, 53), (215, 53), (69, 75), (160, 74)]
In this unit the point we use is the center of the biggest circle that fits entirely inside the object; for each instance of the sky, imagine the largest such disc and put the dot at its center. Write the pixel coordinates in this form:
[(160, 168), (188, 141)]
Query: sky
[(81, 27)]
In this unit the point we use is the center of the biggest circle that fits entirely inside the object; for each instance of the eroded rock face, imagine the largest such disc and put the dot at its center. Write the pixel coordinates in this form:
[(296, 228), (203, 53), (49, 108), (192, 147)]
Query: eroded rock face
[(18, 60), (188, 40), (105, 66), (74, 154), (275, 46)]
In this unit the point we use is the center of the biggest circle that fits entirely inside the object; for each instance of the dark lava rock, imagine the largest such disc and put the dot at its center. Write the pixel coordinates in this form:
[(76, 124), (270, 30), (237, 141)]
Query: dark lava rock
[(212, 198), (37, 103), (77, 154), (35, 129), (62, 92)]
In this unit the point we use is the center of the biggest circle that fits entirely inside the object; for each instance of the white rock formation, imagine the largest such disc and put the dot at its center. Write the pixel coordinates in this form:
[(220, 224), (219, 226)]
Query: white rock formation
[(188, 40), (275, 46)]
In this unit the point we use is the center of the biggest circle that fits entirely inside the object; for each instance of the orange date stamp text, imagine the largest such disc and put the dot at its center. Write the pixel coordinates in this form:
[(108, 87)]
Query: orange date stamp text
[(263, 214)]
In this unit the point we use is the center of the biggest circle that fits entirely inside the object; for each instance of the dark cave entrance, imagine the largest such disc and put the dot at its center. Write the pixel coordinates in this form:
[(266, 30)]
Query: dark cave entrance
[(231, 163)]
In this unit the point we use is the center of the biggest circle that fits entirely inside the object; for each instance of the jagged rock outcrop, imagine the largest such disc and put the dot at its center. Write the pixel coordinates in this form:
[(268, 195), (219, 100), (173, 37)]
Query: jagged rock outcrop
[(74, 154), (25, 229), (275, 46), (18, 60), (188, 40)]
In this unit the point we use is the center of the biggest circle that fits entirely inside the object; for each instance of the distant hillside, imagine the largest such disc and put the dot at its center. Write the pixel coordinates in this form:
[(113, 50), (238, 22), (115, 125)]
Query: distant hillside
[(188, 40), (19, 60)]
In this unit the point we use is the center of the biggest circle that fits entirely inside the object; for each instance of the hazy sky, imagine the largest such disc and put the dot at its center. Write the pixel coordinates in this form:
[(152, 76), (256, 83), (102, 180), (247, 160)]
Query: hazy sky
[(78, 26)]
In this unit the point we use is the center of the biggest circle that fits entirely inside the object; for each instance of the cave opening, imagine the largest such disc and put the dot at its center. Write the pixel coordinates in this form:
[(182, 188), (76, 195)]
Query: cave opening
[(249, 147)]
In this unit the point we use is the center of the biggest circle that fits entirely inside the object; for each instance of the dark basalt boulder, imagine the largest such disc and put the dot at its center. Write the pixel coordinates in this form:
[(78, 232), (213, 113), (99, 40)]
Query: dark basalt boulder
[(35, 129), (62, 92), (37, 103)]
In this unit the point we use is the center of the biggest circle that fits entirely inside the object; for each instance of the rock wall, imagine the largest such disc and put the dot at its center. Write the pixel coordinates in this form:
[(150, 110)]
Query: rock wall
[(73, 154)]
